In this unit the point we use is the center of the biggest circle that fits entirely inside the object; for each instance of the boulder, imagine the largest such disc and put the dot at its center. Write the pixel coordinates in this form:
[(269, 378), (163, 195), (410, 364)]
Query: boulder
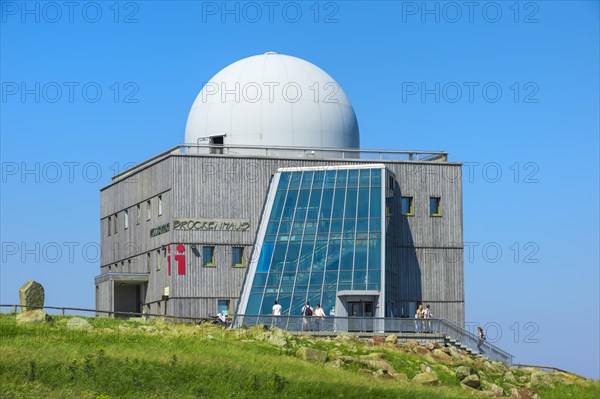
[(523, 394), (381, 365), (277, 340), (31, 296), (472, 381), (312, 355), (441, 357), (421, 350), (429, 379), (496, 390), (32, 316), (425, 368), (334, 364), (510, 377), (401, 377), (391, 339), (78, 323), (429, 346), (463, 372), (541, 379)]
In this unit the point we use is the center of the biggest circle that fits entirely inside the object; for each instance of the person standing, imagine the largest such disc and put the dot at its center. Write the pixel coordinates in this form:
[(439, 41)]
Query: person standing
[(480, 339), (428, 315), (320, 316), (307, 312), (276, 312), (418, 317)]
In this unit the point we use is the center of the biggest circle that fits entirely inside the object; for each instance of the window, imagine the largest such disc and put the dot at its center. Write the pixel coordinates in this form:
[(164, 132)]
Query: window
[(159, 205), (237, 256), (148, 262), (223, 307), (115, 225), (148, 210), (208, 256), (435, 208), (139, 214), (407, 206), (109, 226), (158, 259), (126, 219)]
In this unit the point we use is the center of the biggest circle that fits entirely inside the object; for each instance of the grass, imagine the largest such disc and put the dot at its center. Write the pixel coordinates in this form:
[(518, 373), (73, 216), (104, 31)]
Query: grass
[(116, 360)]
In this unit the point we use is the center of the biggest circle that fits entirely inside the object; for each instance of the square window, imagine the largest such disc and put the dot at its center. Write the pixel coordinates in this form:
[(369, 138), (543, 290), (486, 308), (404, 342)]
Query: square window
[(407, 206), (237, 256), (223, 307), (435, 208), (208, 256)]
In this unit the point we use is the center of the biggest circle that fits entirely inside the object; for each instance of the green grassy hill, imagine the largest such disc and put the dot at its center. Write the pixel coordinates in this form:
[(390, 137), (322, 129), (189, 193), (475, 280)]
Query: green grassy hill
[(105, 358)]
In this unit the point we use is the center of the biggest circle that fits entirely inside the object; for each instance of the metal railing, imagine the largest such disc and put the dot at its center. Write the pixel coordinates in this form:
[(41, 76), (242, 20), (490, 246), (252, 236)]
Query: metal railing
[(291, 152), (381, 325)]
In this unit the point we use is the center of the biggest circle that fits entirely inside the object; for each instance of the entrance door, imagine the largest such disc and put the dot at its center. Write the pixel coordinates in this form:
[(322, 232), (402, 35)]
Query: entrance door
[(360, 316)]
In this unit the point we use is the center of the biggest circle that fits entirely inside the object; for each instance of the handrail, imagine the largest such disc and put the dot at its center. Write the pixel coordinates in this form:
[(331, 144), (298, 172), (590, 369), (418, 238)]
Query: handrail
[(553, 369)]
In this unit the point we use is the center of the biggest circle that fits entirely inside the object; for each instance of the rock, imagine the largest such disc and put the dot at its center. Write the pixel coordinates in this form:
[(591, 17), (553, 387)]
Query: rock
[(312, 355), (344, 337), (78, 323), (541, 379), (32, 316), (381, 365), (382, 374), (447, 369), (429, 379), (510, 377), (421, 350), (401, 377), (334, 364), (278, 340), (441, 357), (425, 368), (523, 394), (496, 390), (446, 350), (411, 345), (463, 372), (31, 296), (429, 346), (472, 381), (391, 339)]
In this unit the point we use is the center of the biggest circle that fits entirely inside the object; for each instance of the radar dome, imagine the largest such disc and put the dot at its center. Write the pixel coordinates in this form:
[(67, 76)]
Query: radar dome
[(273, 100)]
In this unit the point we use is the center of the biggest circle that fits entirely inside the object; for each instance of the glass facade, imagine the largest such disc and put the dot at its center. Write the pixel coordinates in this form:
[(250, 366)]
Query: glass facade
[(323, 235)]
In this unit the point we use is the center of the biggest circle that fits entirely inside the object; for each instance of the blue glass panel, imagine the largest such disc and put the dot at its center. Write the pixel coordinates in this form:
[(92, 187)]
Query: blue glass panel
[(254, 304), (345, 278), (314, 204), (285, 228), (353, 178), (350, 204), (265, 257), (267, 304), (360, 255), (362, 236), (342, 178), (314, 297), (365, 176), (270, 238), (277, 205), (363, 203), (329, 179), (375, 225), (278, 256), (349, 226), (344, 286), (284, 180), (376, 177), (305, 256), (302, 278), (328, 302), (298, 228), (324, 227), (286, 289), (375, 254), (374, 277), (284, 300), (298, 300), (290, 205), (309, 237), (288, 278), (291, 258), (310, 228), (272, 227), (335, 236), (307, 179), (260, 279), (319, 255), (326, 204), (333, 255), (318, 180), (273, 279), (331, 280), (375, 204), (295, 180), (338, 204), (302, 205), (362, 225), (316, 278), (347, 257), (336, 226)]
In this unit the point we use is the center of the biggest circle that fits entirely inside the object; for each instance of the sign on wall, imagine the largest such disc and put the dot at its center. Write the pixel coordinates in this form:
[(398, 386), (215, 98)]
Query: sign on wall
[(211, 224)]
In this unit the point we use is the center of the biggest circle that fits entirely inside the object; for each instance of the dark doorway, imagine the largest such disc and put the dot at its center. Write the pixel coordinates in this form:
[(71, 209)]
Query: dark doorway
[(216, 144), (360, 316)]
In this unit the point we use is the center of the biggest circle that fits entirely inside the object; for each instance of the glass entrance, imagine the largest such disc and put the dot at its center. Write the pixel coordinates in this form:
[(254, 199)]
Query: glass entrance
[(360, 316)]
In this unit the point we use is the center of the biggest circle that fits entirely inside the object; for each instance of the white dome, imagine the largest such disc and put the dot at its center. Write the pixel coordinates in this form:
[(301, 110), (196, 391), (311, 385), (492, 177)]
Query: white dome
[(273, 100)]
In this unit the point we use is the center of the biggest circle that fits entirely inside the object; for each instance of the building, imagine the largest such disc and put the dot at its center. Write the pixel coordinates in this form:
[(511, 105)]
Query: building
[(270, 198)]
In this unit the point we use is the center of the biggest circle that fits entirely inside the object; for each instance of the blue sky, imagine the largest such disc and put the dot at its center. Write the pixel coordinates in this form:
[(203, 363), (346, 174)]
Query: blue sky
[(90, 89)]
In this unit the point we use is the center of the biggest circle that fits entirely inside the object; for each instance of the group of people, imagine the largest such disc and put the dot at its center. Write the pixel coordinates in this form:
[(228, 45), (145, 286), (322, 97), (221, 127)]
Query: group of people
[(307, 315), (423, 326)]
